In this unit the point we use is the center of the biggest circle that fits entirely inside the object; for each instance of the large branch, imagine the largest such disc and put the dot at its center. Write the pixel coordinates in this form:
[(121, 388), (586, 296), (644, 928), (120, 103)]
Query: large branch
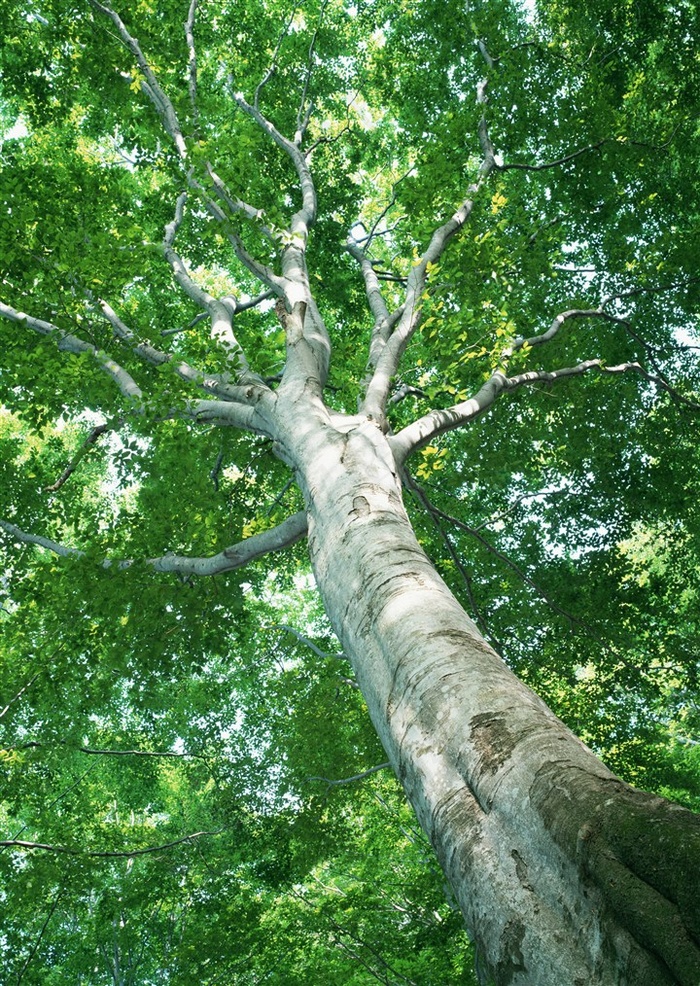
[(221, 312), (308, 343), (409, 316), (244, 406), (425, 429), (67, 342), (290, 531), (149, 84), (166, 111)]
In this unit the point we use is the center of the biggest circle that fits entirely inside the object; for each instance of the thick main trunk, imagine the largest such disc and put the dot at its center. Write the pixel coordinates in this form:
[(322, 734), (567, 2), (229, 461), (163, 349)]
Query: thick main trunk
[(565, 874)]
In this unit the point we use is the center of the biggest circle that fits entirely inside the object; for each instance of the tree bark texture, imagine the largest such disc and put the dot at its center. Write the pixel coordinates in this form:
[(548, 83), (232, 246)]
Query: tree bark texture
[(564, 873)]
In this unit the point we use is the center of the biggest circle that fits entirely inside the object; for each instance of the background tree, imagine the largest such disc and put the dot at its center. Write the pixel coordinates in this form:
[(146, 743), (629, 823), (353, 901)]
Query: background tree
[(497, 311)]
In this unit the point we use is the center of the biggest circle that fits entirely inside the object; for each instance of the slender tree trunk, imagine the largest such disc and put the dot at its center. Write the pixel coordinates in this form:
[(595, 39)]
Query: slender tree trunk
[(564, 873)]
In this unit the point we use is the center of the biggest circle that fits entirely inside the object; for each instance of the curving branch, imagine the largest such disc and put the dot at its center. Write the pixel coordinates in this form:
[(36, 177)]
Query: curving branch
[(428, 427), (290, 531), (284, 535), (96, 854), (409, 316), (351, 780), (308, 342), (87, 444), (558, 162), (67, 342), (149, 84), (307, 215)]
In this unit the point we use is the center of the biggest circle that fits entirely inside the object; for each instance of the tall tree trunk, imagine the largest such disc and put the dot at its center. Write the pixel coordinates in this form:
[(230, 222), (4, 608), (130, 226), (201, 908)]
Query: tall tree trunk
[(565, 874)]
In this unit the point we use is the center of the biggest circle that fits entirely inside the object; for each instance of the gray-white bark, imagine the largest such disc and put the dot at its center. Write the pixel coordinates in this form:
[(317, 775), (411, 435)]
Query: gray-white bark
[(543, 846)]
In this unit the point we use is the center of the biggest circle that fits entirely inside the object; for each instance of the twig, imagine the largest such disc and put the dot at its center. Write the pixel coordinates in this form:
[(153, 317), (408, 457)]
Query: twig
[(82, 451), (192, 60), (351, 780), (553, 164), (21, 844), (54, 905), (273, 64)]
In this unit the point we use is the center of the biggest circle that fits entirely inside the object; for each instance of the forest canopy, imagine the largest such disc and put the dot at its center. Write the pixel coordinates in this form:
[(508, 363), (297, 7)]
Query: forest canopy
[(474, 226)]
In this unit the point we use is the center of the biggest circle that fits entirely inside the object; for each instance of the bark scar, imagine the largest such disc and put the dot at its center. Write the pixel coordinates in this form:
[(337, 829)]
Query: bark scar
[(360, 506)]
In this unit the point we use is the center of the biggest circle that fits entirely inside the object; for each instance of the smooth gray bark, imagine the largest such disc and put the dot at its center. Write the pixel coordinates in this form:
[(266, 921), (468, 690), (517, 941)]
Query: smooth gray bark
[(543, 846)]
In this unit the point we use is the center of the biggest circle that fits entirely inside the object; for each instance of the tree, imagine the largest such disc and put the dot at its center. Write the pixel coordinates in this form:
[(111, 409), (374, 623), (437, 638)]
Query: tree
[(268, 260)]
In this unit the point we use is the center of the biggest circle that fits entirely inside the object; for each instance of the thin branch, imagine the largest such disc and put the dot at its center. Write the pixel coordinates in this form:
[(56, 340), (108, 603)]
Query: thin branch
[(192, 60), (52, 909), (234, 303), (214, 474), (59, 797), (495, 518), (273, 63), (380, 977), (21, 692), (367, 240), (185, 328), (290, 531), (355, 777), (558, 162), (244, 306), (553, 330), (475, 533), (304, 111), (138, 753), (263, 273), (33, 745), (422, 497), (182, 275), (87, 444), (236, 556), (308, 342), (22, 844), (326, 655)]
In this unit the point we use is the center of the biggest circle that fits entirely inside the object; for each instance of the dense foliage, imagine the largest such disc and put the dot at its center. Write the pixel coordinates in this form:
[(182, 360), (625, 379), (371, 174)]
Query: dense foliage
[(171, 747)]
